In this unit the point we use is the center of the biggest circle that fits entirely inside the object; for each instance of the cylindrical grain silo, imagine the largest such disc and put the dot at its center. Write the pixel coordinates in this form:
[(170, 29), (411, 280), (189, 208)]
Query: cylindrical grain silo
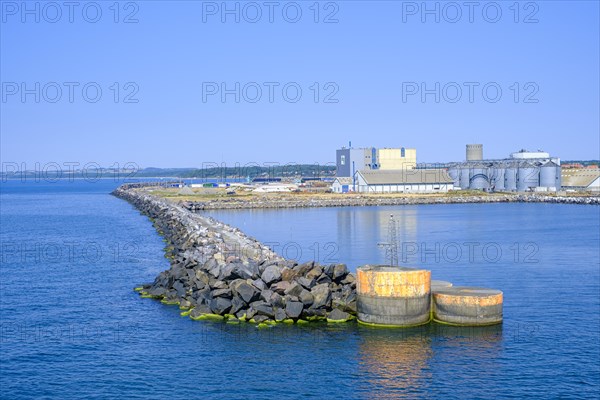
[(548, 176), (454, 173), (465, 175), (479, 179), (497, 177), (528, 177), (467, 306), (393, 296), (474, 152), (510, 178)]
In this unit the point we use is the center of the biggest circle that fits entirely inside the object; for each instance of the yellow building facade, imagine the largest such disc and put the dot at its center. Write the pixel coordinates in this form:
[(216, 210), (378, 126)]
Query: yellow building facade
[(402, 158)]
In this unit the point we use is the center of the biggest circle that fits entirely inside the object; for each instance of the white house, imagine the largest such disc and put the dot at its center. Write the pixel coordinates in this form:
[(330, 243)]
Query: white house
[(342, 185)]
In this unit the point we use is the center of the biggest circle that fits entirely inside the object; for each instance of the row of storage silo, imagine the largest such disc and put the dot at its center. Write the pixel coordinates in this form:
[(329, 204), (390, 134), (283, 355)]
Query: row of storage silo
[(510, 176)]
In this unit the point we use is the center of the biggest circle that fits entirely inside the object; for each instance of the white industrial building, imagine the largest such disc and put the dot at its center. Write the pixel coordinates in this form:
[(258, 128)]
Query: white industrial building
[(581, 179), (396, 181)]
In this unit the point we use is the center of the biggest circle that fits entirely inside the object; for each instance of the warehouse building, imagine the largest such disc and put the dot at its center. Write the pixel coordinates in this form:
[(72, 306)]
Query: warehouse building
[(587, 179), (396, 181)]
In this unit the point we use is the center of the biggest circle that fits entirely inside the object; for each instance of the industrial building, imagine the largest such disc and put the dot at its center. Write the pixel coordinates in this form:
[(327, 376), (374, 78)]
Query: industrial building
[(350, 160), (396, 181), (523, 171), (585, 179)]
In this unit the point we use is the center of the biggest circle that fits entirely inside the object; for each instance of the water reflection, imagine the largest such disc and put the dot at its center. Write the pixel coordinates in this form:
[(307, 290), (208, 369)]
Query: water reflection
[(396, 363), (360, 228)]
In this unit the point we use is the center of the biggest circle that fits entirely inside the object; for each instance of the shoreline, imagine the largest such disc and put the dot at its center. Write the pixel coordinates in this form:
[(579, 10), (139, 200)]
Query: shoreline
[(308, 201)]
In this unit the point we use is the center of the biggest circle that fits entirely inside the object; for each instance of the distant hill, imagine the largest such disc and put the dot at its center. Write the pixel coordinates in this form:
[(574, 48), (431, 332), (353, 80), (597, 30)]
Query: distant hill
[(240, 172)]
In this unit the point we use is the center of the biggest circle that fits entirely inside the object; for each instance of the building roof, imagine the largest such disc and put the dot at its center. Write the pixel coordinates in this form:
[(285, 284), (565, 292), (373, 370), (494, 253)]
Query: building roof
[(344, 180), (579, 177), (405, 176)]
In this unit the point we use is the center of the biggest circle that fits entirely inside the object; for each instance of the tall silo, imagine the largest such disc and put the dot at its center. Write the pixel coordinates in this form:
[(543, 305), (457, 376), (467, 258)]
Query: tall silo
[(497, 177), (464, 176), (528, 176), (474, 152), (510, 177), (479, 179), (454, 173), (549, 177)]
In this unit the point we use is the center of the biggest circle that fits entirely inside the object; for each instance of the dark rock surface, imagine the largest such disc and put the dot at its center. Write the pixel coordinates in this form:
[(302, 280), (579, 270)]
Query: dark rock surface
[(216, 269)]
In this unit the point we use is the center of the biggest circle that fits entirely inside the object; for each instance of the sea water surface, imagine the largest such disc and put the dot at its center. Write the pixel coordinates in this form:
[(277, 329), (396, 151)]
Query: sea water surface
[(71, 326)]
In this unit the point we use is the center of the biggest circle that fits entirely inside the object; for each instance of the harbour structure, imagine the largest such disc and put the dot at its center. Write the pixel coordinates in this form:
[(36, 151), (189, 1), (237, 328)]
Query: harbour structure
[(523, 171), (351, 160)]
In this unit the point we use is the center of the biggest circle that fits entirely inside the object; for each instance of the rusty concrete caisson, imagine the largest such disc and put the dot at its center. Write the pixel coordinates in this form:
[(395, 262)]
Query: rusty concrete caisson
[(393, 296), (467, 306)]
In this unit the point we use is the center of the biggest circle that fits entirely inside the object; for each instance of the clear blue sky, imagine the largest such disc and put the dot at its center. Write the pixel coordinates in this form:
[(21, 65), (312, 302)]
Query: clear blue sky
[(372, 56)]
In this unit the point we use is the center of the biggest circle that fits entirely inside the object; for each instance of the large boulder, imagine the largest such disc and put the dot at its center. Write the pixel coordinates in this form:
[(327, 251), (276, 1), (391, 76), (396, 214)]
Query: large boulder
[(280, 314), (339, 272), (220, 305), (236, 305), (306, 298), (246, 271), (321, 294), (246, 292), (306, 283), (179, 288), (277, 300), (259, 284), (314, 273), (263, 308), (293, 309), (338, 315), (199, 310), (288, 274), (202, 276), (271, 274), (302, 269), (294, 289), (226, 293), (227, 272), (212, 267), (280, 287)]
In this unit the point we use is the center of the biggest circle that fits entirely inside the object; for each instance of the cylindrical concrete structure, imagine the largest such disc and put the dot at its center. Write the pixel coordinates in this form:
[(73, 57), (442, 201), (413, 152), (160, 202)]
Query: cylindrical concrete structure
[(467, 306), (528, 177), (479, 179), (474, 152), (510, 179), (550, 175), (497, 178), (465, 175), (393, 296)]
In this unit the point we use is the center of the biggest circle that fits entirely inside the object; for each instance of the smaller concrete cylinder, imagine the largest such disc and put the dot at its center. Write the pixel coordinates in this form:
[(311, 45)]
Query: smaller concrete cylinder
[(467, 306)]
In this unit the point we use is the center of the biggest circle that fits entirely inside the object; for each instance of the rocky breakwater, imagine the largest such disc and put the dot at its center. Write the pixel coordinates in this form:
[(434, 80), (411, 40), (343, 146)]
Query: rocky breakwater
[(217, 272)]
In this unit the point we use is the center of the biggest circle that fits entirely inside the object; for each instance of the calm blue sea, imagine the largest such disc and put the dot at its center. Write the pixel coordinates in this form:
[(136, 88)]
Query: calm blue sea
[(71, 326)]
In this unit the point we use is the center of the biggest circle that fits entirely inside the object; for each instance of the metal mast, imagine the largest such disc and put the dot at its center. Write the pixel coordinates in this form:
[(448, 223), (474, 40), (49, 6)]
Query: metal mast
[(391, 246)]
